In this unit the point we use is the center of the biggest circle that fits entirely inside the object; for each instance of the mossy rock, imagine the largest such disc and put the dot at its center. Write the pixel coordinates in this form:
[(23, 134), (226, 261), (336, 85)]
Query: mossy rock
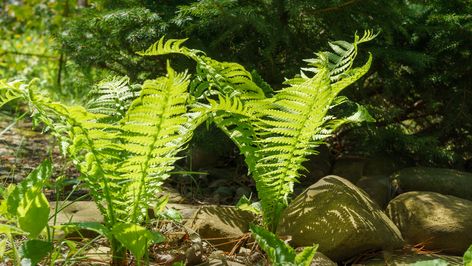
[(437, 222), (341, 218), (440, 180)]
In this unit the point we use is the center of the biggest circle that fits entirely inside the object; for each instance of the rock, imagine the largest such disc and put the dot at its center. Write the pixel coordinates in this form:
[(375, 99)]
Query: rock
[(221, 225), (99, 255), (444, 181), (222, 262), (340, 217), (351, 168), (377, 187), (321, 260), (403, 259), (218, 258), (173, 194), (438, 222), (194, 254), (186, 210), (76, 211)]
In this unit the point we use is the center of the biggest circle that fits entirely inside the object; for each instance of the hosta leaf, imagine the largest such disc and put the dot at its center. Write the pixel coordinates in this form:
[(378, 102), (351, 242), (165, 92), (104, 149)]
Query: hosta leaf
[(33, 212)]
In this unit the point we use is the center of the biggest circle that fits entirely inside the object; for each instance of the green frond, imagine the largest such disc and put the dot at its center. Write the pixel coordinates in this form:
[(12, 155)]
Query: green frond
[(226, 78), (112, 97), (155, 129), (10, 91), (341, 60), (171, 46), (297, 121)]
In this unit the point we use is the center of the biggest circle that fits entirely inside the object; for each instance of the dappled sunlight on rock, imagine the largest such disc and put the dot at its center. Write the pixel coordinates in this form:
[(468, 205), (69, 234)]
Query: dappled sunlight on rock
[(340, 218)]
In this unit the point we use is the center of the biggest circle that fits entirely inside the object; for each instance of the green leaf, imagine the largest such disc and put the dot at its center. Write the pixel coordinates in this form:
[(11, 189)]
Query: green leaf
[(3, 246), (361, 115), (305, 257), (279, 252), (172, 214), (135, 238), (37, 178), (33, 212), (92, 226), (10, 230), (35, 250), (161, 204), (245, 204), (468, 257)]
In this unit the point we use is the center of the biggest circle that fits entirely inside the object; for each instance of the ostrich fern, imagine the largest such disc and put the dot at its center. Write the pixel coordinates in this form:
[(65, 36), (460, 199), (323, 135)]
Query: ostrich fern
[(123, 162), (275, 134)]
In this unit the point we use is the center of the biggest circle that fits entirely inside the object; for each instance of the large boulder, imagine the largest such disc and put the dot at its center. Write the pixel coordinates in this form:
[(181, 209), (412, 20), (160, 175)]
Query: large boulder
[(221, 226), (438, 222), (444, 181), (340, 217)]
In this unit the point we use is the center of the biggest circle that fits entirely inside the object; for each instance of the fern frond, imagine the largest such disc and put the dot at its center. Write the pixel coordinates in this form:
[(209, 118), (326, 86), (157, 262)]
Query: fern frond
[(212, 76), (298, 121), (112, 97), (155, 129), (171, 46), (10, 91), (341, 60)]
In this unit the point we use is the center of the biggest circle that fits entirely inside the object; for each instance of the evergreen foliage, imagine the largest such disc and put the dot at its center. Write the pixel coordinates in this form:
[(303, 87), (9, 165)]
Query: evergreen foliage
[(416, 90)]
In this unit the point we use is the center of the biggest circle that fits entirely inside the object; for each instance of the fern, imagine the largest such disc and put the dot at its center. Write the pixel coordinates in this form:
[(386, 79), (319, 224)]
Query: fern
[(123, 162), (213, 77), (297, 123), (274, 134), (10, 91), (112, 97), (155, 129)]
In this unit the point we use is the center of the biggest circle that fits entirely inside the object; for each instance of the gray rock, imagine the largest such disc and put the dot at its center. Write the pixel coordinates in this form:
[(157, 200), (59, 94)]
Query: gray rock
[(221, 226), (340, 217), (444, 181), (321, 260), (438, 222), (377, 187), (77, 211), (403, 259)]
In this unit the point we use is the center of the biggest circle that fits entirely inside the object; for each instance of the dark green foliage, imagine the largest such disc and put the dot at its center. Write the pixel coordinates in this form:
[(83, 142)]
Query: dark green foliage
[(419, 83)]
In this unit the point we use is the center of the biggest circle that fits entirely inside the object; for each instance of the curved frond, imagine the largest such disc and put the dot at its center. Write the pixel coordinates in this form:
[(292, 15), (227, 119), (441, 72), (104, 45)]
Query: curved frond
[(155, 129), (10, 91), (341, 59), (112, 97)]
